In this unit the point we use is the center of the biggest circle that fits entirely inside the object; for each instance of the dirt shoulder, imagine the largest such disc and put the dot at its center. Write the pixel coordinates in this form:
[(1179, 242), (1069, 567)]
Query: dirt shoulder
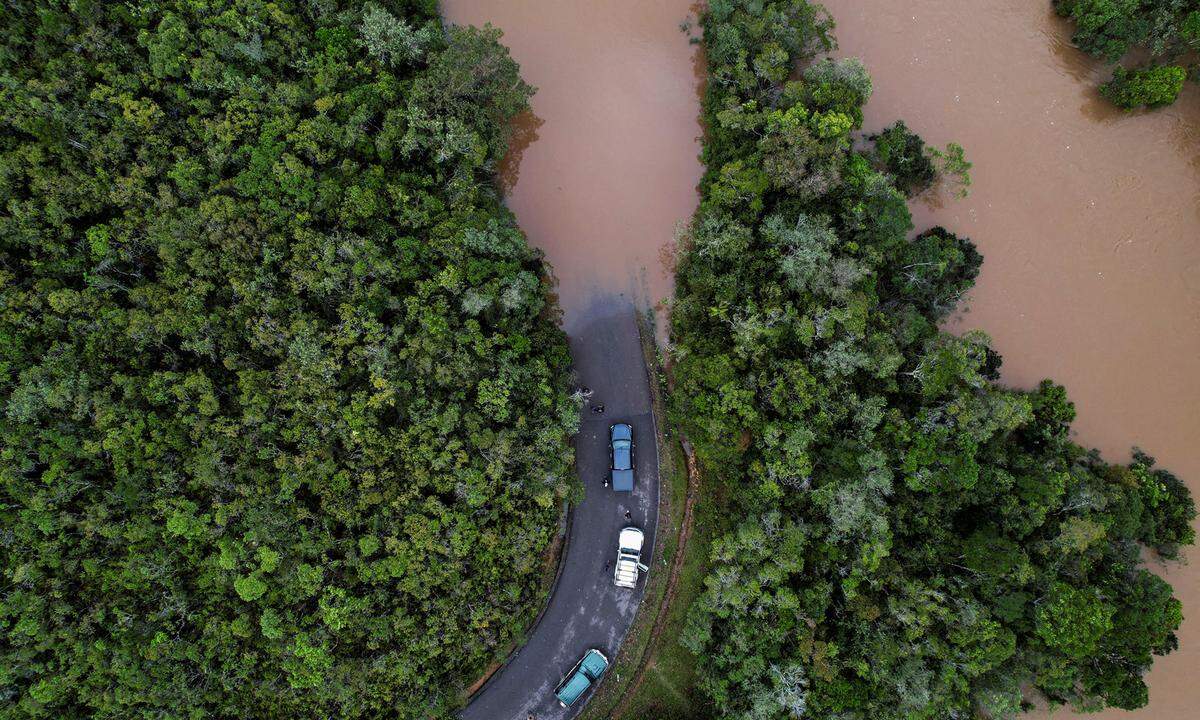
[(661, 615)]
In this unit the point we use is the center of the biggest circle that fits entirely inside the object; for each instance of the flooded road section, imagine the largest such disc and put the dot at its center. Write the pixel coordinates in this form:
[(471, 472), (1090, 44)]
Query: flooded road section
[(607, 166), (1089, 223)]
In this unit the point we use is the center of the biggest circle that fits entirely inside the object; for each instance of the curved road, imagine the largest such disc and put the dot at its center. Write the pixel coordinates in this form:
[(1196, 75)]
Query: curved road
[(587, 610)]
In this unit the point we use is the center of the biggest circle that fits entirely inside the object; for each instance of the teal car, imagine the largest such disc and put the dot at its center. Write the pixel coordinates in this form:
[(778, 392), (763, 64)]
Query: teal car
[(582, 677)]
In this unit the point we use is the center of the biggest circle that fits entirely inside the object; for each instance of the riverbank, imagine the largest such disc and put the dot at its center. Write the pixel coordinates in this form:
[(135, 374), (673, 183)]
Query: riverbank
[(1087, 219)]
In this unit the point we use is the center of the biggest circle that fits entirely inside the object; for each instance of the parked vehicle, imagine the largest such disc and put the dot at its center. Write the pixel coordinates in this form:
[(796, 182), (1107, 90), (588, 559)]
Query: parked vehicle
[(582, 677), (620, 454), (629, 558)]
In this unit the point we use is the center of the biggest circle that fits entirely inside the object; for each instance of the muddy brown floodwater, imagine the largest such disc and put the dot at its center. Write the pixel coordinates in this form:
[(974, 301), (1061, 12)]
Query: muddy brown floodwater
[(607, 166), (1089, 223), (1089, 219)]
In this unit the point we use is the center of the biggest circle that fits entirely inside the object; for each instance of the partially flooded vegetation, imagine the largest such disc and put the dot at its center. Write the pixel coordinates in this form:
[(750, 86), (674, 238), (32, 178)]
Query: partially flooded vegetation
[(612, 160), (913, 539)]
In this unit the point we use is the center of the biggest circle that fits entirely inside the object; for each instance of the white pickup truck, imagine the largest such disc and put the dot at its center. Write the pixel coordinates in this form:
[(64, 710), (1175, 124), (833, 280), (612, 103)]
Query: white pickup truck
[(629, 558)]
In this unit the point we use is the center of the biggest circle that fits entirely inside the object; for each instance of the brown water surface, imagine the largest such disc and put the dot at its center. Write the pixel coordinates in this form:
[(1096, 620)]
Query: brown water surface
[(610, 161), (1089, 224)]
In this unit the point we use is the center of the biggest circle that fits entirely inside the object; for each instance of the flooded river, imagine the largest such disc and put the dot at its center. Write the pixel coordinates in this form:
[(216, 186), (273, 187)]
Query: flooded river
[(1089, 223), (1089, 219), (607, 166)]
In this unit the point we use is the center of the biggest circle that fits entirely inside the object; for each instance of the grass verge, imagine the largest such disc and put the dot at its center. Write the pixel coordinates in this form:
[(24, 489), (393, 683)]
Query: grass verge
[(666, 688)]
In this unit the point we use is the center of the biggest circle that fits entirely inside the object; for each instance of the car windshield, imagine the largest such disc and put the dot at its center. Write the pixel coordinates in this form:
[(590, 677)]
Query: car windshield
[(594, 664)]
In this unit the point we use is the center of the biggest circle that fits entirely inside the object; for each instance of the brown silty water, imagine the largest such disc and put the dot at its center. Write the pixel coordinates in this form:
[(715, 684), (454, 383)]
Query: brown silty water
[(1088, 218), (606, 167)]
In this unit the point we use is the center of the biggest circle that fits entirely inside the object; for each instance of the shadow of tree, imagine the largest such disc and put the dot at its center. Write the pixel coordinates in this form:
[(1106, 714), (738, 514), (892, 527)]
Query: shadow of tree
[(524, 132)]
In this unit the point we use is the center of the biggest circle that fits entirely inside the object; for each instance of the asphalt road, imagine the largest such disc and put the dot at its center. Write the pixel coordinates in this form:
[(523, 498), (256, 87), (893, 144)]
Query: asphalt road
[(587, 610)]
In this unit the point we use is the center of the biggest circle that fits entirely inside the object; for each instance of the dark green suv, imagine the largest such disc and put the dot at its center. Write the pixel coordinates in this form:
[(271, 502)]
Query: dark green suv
[(582, 677)]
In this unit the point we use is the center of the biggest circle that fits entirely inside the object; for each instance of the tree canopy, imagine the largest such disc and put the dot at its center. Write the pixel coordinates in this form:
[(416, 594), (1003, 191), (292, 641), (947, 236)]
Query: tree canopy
[(1165, 34), (283, 407), (913, 539)]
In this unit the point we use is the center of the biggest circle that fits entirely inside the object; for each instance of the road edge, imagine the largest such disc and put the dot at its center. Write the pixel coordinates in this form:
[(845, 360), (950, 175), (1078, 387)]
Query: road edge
[(565, 529), (661, 616), (649, 616)]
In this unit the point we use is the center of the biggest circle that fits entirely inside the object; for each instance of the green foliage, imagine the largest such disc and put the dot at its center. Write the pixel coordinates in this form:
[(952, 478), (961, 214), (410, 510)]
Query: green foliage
[(842, 86), (952, 163), (903, 155), (1151, 87), (392, 40), (753, 45), (915, 541), (1107, 28), (1073, 621), (1164, 30), (934, 271), (283, 412)]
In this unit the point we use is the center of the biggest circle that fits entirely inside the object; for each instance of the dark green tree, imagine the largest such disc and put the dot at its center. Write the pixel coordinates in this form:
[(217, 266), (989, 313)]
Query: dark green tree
[(902, 154), (1167, 31), (283, 411)]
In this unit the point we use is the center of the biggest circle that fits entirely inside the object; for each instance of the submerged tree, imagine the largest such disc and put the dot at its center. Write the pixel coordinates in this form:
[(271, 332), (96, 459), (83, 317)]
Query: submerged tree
[(903, 155), (1168, 31), (1150, 87)]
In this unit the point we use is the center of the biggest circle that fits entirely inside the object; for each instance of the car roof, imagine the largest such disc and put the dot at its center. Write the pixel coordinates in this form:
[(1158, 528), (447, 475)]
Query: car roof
[(575, 687), (631, 538), (622, 479), (621, 455)]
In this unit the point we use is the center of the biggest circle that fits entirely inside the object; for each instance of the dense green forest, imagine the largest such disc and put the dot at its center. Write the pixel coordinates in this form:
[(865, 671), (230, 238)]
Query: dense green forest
[(283, 405), (1163, 36), (908, 538)]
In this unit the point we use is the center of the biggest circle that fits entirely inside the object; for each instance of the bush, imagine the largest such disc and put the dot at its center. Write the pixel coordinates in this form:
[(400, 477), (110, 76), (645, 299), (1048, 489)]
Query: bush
[(1150, 87), (902, 154), (1164, 30)]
